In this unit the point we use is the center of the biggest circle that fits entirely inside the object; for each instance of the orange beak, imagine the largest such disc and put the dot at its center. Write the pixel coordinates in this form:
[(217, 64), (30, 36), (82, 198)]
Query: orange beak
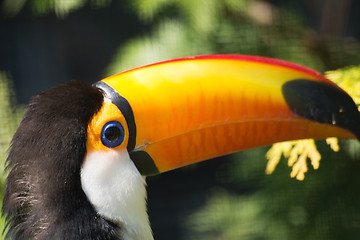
[(188, 110)]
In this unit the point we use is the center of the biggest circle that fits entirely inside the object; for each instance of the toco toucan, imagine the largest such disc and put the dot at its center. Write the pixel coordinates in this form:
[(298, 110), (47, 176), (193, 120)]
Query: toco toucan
[(77, 162)]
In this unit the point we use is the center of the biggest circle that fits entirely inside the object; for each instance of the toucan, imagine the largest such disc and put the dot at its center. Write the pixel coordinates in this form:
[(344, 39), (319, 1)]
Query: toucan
[(78, 160)]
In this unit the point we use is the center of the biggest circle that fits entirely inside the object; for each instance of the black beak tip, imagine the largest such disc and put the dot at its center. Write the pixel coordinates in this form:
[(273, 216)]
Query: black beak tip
[(322, 102)]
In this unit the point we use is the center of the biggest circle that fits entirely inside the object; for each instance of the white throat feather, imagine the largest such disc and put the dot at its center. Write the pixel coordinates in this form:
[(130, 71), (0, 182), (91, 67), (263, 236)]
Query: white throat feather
[(117, 190)]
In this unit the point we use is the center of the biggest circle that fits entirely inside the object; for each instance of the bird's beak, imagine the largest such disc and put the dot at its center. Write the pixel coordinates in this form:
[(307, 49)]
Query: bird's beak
[(188, 110)]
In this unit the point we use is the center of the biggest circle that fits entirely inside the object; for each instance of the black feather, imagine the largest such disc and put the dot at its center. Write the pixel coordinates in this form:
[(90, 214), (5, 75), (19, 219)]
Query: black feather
[(43, 197)]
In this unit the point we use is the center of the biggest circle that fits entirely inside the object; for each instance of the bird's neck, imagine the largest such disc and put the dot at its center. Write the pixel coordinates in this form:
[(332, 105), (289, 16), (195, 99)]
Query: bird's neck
[(53, 206), (116, 189)]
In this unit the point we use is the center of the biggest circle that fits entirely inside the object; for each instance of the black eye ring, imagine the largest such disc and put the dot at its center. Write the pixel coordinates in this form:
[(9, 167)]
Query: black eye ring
[(112, 134)]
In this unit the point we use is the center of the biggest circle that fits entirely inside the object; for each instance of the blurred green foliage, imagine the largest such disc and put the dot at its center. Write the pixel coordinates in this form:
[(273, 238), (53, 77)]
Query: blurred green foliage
[(323, 206), (10, 116), (61, 8), (182, 28)]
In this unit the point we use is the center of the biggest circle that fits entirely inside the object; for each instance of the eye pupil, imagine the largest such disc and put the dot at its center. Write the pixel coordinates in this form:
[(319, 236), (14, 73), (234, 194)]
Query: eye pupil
[(112, 134)]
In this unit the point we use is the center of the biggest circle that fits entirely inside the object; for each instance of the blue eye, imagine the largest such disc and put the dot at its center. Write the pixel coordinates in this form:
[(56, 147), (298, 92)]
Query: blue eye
[(112, 134)]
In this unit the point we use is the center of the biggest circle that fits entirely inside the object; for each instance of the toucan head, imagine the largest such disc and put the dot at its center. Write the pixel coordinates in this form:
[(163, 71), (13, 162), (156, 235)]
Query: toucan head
[(78, 159)]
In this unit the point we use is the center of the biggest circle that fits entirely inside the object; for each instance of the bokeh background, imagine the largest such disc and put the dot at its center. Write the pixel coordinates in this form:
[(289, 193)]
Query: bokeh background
[(46, 42)]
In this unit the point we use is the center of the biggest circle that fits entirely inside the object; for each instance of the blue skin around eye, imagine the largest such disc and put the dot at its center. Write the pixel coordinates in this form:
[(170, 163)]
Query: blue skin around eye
[(113, 125)]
